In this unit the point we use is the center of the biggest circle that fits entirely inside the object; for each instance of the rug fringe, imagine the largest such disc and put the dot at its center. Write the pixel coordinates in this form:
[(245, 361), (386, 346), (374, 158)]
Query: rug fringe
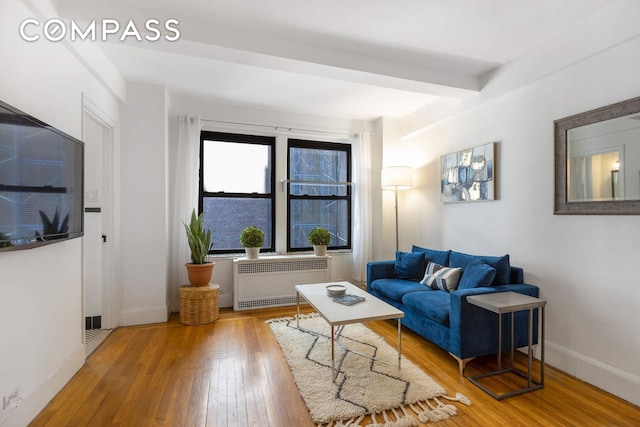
[(426, 411), (308, 316), (404, 420), (291, 318), (459, 397), (280, 320), (351, 422), (375, 421), (438, 411)]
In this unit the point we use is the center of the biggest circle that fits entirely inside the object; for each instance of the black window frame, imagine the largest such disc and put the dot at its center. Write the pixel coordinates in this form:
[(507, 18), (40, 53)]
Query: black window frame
[(321, 145), (244, 139)]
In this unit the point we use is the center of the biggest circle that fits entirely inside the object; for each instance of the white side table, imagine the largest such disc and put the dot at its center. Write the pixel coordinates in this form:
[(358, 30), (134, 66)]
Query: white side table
[(510, 302)]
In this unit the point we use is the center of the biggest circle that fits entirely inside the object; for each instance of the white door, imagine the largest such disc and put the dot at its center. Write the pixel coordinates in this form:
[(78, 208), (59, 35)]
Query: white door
[(97, 137)]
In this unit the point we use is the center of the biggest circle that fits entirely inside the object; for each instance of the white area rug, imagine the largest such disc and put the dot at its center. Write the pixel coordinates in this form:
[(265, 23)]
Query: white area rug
[(363, 387)]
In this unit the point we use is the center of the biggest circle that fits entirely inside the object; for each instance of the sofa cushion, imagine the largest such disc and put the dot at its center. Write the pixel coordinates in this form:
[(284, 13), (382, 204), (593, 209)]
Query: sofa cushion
[(501, 264), (477, 274), (395, 289), (409, 266), (439, 277), (432, 304), (439, 257)]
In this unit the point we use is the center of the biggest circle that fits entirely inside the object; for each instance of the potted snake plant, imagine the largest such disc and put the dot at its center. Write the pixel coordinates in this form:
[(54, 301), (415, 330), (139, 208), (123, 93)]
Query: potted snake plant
[(200, 269)]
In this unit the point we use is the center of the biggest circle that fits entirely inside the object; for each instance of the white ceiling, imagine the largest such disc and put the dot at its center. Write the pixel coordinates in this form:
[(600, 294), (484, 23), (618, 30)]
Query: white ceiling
[(358, 59)]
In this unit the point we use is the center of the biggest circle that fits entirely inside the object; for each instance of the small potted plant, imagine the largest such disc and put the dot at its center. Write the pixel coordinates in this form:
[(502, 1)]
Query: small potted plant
[(320, 239), (200, 269), (251, 239)]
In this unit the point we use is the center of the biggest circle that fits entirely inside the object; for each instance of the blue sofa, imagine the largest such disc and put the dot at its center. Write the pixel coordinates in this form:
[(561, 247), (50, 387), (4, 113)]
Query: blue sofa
[(443, 316)]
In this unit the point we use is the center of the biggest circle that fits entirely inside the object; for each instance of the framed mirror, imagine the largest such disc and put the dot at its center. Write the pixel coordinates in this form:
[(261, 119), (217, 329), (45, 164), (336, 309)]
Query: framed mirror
[(597, 161)]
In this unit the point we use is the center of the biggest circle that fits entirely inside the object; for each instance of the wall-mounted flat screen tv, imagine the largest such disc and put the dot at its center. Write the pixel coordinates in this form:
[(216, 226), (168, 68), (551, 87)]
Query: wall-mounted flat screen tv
[(41, 182)]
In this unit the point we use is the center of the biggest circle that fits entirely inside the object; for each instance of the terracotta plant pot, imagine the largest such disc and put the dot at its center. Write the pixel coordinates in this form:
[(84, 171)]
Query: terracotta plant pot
[(200, 274)]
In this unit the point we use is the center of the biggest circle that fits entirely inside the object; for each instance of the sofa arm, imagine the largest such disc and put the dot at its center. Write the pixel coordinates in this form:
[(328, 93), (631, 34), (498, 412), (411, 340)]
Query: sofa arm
[(473, 330), (379, 270), (521, 288), (517, 275)]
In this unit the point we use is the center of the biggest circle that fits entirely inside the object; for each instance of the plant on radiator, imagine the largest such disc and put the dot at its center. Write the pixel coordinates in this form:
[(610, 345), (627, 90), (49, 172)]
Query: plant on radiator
[(251, 239), (320, 238), (199, 239)]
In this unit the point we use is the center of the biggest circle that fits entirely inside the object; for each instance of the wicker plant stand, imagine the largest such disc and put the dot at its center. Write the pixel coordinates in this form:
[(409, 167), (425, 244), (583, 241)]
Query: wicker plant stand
[(198, 305)]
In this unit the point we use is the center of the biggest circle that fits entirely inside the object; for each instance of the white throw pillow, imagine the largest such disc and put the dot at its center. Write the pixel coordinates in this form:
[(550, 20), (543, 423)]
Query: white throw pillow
[(442, 278)]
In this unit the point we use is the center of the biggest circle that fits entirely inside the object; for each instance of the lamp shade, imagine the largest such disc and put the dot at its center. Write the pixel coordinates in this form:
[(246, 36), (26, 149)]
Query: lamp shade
[(397, 177)]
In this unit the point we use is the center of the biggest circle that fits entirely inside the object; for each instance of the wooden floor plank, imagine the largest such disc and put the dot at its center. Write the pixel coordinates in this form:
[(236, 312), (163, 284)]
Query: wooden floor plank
[(213, 413), (232, 373)]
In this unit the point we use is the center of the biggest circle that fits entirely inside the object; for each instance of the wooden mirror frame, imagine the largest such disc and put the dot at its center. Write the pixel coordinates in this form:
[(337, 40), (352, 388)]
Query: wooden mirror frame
[(561, 127)]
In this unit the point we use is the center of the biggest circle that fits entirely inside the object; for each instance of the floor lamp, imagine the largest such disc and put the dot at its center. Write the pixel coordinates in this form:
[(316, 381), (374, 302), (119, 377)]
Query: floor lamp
[(397, 178)]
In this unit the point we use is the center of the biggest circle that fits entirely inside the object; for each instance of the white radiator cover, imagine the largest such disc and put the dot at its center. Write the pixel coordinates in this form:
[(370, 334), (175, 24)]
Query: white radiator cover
[(270, 281)]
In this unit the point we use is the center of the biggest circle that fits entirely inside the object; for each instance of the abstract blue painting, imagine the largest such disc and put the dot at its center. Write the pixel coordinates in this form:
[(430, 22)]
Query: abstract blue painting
[(468, 175)]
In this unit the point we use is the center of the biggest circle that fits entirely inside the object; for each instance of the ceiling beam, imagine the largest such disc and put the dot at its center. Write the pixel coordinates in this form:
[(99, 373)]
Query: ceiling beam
[(303, 53)]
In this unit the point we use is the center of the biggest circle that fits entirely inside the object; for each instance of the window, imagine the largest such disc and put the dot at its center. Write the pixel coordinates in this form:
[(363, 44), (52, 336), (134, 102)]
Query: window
[(236, 188), (318, 193)]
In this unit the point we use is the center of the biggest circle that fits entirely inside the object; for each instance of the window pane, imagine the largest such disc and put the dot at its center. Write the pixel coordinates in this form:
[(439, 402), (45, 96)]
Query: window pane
[(235, 167), (226, 217), (311, 164), (309, 214)]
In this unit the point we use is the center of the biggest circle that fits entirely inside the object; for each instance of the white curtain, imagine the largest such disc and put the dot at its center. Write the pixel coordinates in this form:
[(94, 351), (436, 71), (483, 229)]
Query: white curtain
[(362, 219), (185, 193)]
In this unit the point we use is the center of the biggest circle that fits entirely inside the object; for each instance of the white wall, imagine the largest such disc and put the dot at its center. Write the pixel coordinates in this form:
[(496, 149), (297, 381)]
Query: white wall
[(377, 239), (144, 203), (41, 289), (585, 266), (395, 153)]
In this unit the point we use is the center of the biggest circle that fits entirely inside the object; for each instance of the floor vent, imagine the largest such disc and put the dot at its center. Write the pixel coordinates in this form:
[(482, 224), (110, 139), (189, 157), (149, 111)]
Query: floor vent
[(93, 338)]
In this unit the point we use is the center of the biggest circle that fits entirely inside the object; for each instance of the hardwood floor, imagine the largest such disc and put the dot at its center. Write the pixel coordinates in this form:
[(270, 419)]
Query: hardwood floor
[(232, 373)]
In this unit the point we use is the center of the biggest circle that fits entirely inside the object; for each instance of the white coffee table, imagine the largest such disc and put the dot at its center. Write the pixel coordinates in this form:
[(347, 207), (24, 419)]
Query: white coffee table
[(339, 315)]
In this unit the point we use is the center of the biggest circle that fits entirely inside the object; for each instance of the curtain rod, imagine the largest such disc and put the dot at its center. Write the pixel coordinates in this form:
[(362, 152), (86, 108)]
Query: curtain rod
[(282, 128)]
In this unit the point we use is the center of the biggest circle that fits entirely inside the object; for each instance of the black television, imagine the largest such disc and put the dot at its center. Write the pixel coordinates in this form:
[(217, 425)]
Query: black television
[(41, 182)]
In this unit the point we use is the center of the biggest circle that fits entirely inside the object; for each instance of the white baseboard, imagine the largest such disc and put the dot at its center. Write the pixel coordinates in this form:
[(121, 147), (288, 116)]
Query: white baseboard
[(34, 402), (609, 378), (225, 300), (144, 316)]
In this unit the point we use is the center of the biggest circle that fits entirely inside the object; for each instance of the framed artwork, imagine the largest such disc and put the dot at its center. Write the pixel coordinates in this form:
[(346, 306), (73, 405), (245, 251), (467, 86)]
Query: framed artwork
[(468, 175)]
